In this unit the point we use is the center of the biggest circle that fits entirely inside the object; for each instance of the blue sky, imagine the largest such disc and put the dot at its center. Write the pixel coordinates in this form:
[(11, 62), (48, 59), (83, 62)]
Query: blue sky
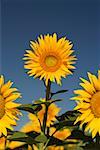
[(25, 20)]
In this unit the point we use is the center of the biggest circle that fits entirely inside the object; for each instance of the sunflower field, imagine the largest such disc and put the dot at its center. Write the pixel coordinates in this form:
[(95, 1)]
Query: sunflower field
[(50, 59)]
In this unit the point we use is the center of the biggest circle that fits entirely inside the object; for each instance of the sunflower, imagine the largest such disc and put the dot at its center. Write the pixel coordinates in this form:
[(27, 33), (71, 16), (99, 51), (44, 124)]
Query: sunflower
[(88, 103), (8, 110), (50, 58)]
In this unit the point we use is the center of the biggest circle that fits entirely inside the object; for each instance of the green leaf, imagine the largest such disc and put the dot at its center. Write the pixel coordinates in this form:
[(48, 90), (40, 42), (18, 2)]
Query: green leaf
[(24, 137), (69, 115), (91, 146), (32, 108), (41, 138), (48, 102), (58, 142), (79, 135), (17, 135), (58, 92), (62, 124)]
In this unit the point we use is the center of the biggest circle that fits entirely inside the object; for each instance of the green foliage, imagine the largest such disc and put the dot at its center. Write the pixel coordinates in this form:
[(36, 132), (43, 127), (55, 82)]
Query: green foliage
[(41, 138), (58, 92), (32, 108)]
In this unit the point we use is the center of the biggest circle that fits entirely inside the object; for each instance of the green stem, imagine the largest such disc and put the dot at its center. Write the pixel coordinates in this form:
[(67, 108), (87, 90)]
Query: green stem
[(97, 139), (45, 146), (48, 141), (48, 92), (41, 146), (40, 124), (48, 88), (5, 141)]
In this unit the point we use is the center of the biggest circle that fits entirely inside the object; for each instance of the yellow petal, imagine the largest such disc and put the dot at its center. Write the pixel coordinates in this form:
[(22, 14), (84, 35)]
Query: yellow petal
[(94, 132), (96, 82), (82, 106), (15, 144), (1, 80), (6, 86), (2, 143), (62, 134), (10, 105), (3, 130), (10, 120), (88, 87), (82, 93), (28, 127), (8, 92), (99, 75), (13, 97), (79, 98)]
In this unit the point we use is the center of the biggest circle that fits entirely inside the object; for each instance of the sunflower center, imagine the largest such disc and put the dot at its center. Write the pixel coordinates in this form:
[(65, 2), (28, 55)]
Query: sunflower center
[(2, 107), (95, 104), (51, 61)]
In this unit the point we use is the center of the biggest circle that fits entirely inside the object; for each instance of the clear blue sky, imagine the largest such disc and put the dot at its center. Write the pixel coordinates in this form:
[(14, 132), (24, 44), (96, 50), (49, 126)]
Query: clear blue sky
[(24, 20)]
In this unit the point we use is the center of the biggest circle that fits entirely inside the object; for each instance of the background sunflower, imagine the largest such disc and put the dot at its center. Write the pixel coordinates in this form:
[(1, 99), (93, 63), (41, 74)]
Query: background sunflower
[(88, 103), (8, 109)]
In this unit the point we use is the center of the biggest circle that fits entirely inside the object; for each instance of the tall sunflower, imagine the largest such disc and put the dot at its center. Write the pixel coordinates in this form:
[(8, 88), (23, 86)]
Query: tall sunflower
[(8, 110), (88, 103), (50, 58)]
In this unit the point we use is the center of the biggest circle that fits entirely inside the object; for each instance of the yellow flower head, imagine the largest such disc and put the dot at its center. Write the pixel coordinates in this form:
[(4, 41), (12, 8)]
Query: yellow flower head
[(88, 103), (50, 58), (8, 110)]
